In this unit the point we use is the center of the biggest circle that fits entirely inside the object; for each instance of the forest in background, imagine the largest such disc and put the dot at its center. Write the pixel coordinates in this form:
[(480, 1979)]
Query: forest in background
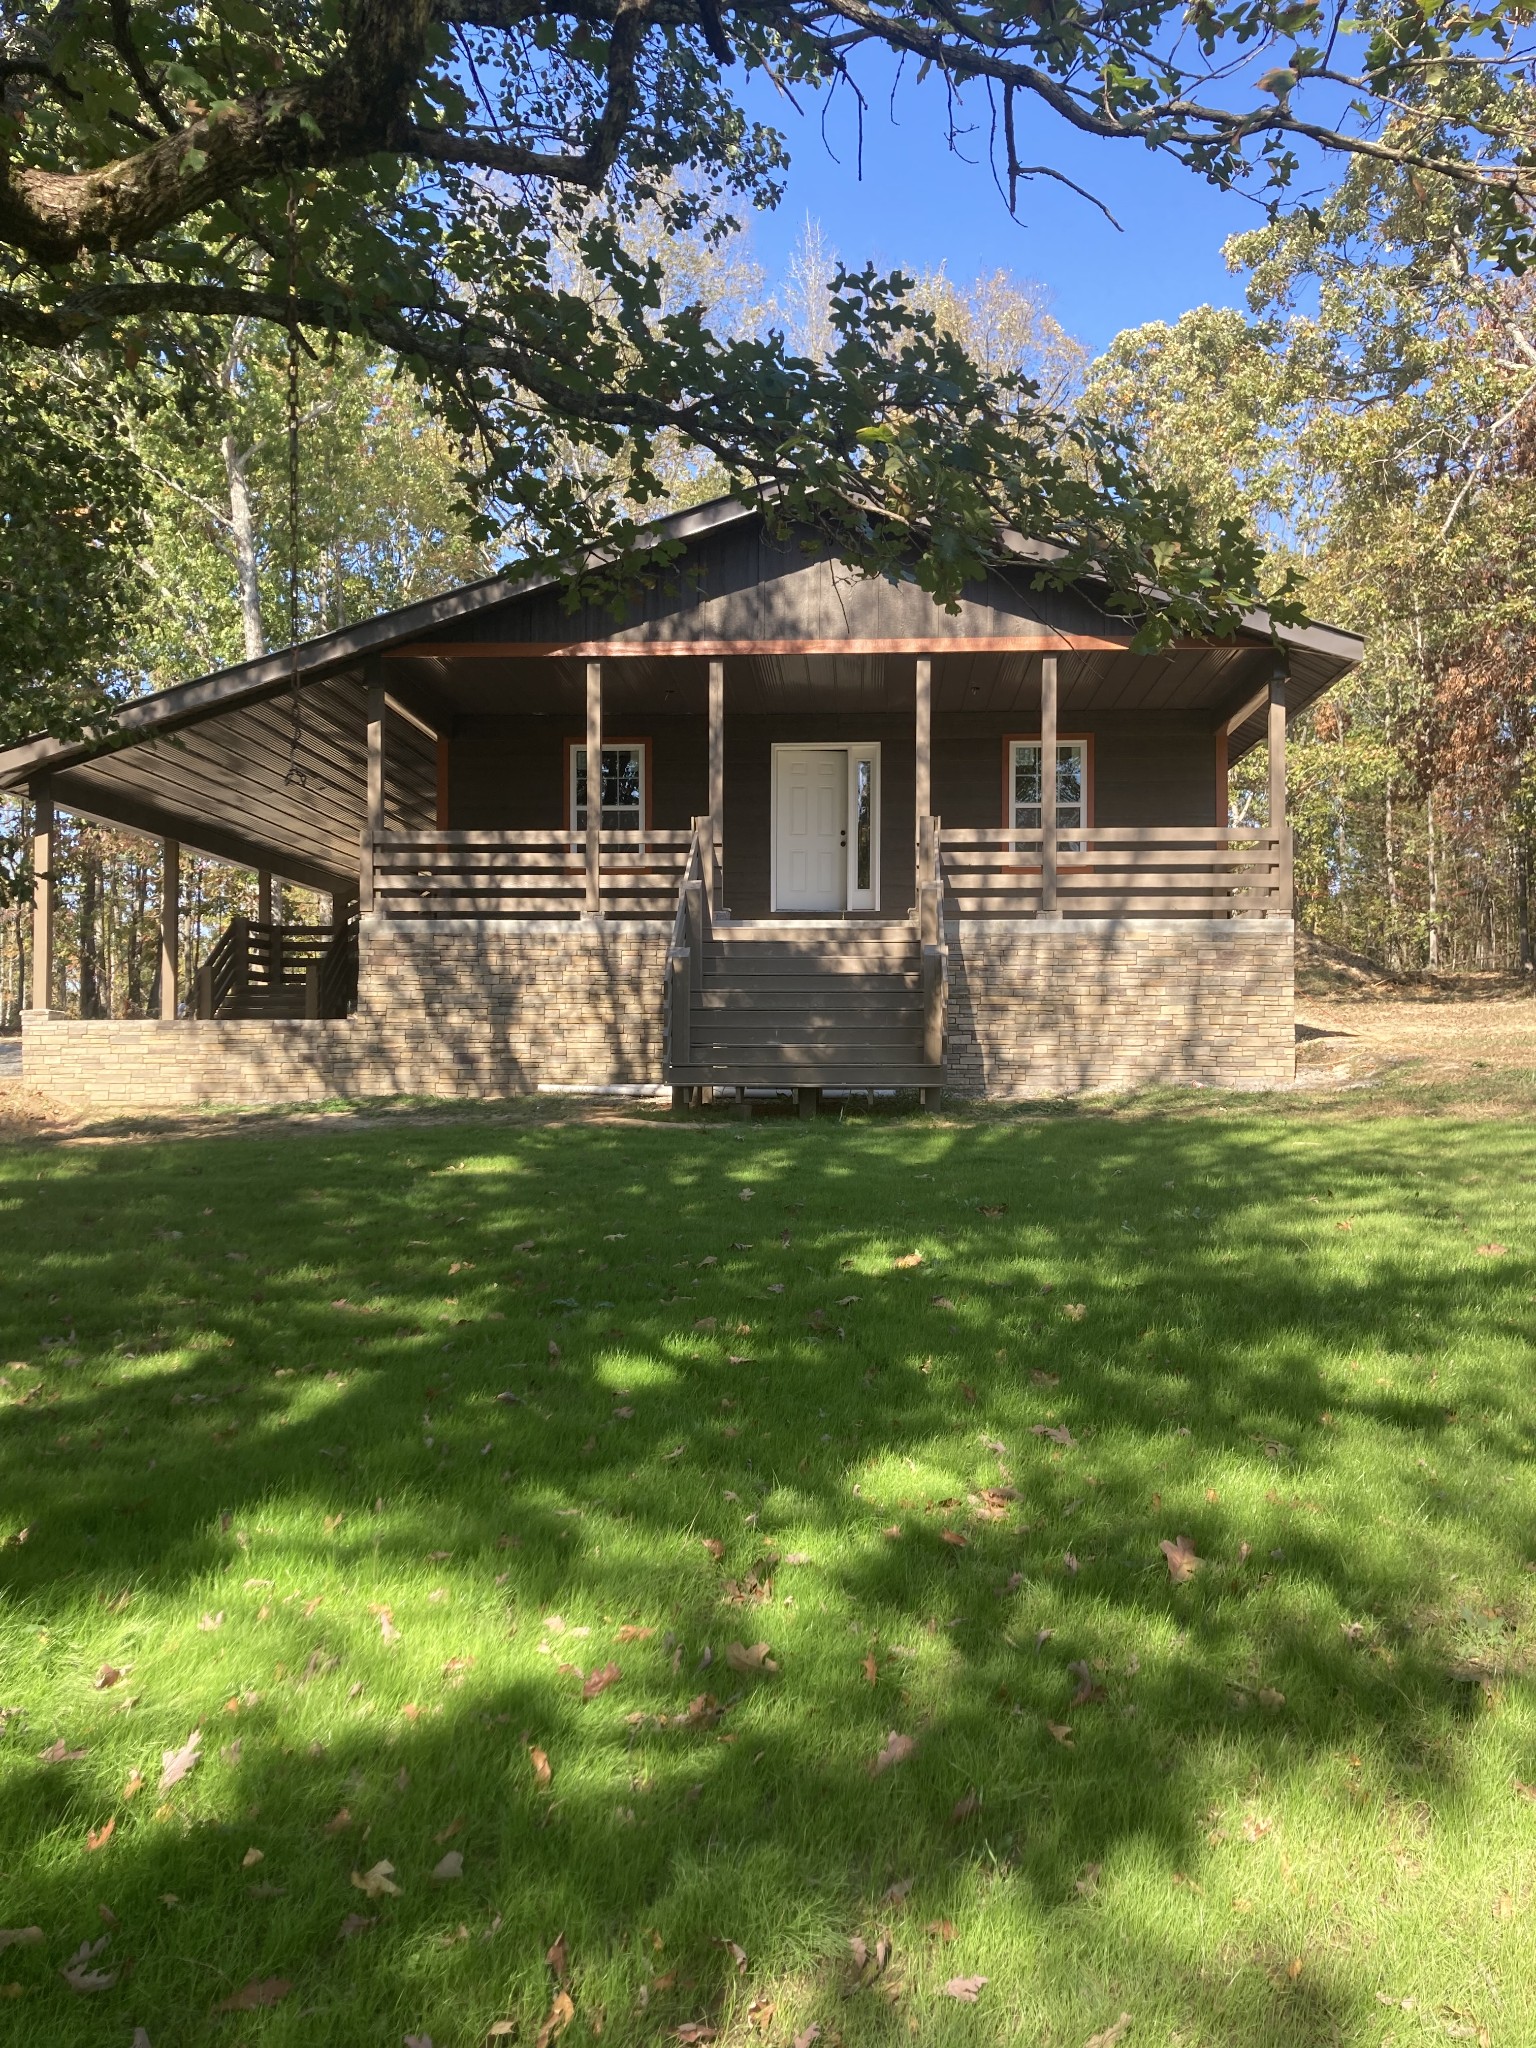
[(1372, 416)]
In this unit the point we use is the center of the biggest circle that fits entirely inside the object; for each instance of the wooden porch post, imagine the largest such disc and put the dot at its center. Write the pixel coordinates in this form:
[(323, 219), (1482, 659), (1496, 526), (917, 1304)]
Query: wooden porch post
[(1223, 797), (1048, 786), (374, 822), (170, 928), (263, 895), (922, 754), (594, 788), (717, 784), (43, 838), (1278, 822)]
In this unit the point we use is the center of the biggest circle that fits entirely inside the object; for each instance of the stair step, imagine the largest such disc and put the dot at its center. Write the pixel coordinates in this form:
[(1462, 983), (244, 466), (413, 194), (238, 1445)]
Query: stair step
[(793, 1031), (792, 1069)]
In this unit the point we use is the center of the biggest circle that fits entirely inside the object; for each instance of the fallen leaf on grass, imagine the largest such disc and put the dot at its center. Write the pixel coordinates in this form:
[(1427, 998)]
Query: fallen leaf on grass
[(106, 1677), (59, 1753), (954, 1538), (20, 1937), (940, 1301), (557, 1955), (1268, 1697), (1062, 1733), (378, 1882), (735, 1951), (1112, 2034), (1182, 1561), (209, 1622), (808, 2036), (966, 1989), (1089, 1691), (178, 1762), (542, 1772), (908, 1259), (964, 1807), (600, 1679), (134, 1783), (556, 2020), (78, 1974), (897, 1750), (871, 1669), (260, 1991), (355, 1924), (1526, 1791), (1070, 1565), (251, 1858), (892, 1533), (755, 1658), (714, 1546), (1492, 1251), (451, 1866), (694, 2031), (1060, 1434), (630, 1633), (98, 1838)]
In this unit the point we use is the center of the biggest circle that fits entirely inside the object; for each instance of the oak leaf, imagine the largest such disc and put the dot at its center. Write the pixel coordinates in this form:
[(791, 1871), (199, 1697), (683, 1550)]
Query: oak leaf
[(1062, 1733), (78, 1974), (1182, 1561), (260, 1991), (377, 1883), (98, 1838), (561, 2012), (451, 1866), (59, 1753), (749, 1659), (599, 1680), (966, 1989), (20, 1937), (178, 1762), (1115, 2032), (897, 1750)]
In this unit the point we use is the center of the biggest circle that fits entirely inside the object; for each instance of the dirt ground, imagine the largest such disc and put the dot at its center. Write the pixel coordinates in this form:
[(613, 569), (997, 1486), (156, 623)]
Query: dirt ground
[(1466, 1040), (1354, 1023)]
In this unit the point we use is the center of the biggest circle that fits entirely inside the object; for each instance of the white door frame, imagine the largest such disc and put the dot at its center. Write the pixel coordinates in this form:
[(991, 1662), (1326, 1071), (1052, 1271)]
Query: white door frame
[(852, 752)]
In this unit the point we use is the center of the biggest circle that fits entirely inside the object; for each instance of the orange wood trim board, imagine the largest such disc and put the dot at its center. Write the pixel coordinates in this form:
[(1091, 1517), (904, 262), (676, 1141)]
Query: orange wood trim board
[(641, 650)]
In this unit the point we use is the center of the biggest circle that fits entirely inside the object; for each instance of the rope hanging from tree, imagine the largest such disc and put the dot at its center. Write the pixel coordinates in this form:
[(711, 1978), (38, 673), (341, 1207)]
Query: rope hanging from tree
[(295, 773)]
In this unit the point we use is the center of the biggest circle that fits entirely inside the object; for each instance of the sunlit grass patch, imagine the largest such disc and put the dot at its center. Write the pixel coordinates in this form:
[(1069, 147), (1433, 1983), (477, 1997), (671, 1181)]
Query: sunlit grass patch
[(527, 1497)]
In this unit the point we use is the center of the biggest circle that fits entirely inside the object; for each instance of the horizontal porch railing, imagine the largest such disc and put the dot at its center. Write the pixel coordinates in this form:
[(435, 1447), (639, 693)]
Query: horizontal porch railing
[(523, 874), (1122, 871)]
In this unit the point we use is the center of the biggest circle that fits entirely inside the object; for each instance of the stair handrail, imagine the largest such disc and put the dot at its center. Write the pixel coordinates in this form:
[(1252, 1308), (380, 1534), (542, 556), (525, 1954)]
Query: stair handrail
[(690, 933), (217, 975), (930, 932)]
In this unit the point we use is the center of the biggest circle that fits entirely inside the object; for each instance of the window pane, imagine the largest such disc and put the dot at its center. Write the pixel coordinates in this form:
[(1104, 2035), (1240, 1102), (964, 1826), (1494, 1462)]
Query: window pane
[(1026, 788), (864, 823), (623, 778)]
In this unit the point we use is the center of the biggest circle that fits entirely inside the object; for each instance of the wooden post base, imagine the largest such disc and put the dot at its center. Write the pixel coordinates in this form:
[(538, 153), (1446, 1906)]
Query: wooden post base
[(743, 1108), (929, 1097), (808, 1102)]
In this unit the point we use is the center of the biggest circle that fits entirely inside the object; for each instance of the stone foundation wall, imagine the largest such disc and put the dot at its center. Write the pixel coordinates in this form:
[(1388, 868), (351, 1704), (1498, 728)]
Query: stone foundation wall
[(451, 1008), (465, 1008), (1038, 1009)]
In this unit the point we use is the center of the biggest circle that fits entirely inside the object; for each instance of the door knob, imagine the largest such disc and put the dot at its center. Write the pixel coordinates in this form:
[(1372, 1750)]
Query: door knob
[(844, 839)]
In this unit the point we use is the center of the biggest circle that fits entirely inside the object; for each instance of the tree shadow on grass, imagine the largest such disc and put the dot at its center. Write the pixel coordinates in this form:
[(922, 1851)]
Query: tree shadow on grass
[(1090, 1736)]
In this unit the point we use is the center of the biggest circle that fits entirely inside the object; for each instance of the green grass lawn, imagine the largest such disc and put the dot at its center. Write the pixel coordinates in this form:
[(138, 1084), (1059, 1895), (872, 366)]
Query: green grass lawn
[(427, 1474)]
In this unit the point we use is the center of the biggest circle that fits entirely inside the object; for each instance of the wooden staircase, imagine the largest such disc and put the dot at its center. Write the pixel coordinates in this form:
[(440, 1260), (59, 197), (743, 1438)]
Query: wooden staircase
[(803, 1006)]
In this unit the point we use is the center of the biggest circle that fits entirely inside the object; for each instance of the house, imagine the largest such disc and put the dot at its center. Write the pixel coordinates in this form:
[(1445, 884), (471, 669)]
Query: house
[(815, 851)]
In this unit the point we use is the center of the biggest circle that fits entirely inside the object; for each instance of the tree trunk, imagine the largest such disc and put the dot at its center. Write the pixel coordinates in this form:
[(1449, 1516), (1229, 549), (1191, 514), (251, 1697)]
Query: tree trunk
[(90, 913), (1433, 867), (242, 527), (1389, 823), (133, 964), (1523, 901)]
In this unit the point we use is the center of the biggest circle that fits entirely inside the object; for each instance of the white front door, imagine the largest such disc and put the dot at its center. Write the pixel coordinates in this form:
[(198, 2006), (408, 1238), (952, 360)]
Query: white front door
[(811, 828)]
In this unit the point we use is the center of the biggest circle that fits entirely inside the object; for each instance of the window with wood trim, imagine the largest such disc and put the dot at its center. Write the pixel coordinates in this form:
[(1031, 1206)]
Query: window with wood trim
[(1074, 793), (625, 786)]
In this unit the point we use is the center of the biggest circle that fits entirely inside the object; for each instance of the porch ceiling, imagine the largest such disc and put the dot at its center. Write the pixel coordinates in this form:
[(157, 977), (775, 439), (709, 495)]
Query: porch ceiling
[(223, 784), (1189, 680)]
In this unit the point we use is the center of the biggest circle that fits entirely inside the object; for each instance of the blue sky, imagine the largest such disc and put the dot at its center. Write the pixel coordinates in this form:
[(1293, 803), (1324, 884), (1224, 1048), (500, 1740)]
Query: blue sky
[(920, 205)]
